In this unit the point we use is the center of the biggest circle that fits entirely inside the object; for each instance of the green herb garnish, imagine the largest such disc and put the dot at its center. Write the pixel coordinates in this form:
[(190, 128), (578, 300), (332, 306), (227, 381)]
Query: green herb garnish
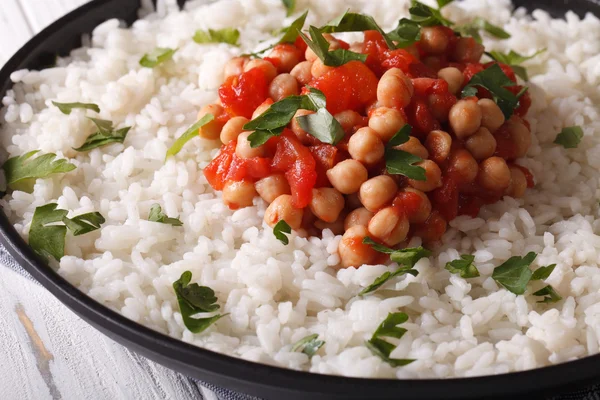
[(543, 273), (399, 162), (308, 345), (479, 24), (354, 22), (280, 229), (514, 60), (496, 81), (225, 35), (323, 126), (84, 223), (66, 108), (427, 16), (290, 6), (105, 135), (388, 328), (569, 137), (188, 135), (549, 294), (406, 33), (290, 34), (157, 57), (22, 171), (514, 274), (463, 266), (157, 215), (334, 58), (194, 299)]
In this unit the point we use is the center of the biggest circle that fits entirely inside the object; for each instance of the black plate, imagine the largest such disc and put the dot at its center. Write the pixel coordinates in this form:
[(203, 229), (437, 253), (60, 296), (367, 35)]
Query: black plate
[(227, 372)]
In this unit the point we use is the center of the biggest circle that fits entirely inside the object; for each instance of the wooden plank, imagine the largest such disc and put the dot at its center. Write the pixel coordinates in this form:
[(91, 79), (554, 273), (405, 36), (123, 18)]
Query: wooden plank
[(14, 29)]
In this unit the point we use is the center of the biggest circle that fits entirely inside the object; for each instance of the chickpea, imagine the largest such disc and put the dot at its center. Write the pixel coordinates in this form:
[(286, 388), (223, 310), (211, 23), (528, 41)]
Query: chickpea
[(284, 85), (439, 106), (232, 129), (360, 216), (518, 183), (389, 226), (272, 187), (463, 166), (492, 117), (365, 146), (386, 122), (494, 174), (238, 194), (453, 77), (244, 150), (300, 133), (482, 144), (266, 67), (212, 130), (414, 146), (465, 118), (302, 72), (319, 69), (433, 176), (434, 40), (377, 192), (348, 120), (235, 67), (334, 44), (467, 50), (372, 107), (287, 57), (260, 110), (281, 209), (347, 176), (424, 210), (353, 252), (326, 204), (519, 135), (395, 90), (438, 143)]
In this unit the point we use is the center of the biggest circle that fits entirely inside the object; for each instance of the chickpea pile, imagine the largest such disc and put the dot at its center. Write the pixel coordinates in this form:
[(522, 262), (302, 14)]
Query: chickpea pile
[(466, 146)]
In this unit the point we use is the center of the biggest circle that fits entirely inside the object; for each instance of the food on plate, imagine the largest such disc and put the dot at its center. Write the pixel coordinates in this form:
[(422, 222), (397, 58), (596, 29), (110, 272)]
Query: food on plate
[(374, 189)]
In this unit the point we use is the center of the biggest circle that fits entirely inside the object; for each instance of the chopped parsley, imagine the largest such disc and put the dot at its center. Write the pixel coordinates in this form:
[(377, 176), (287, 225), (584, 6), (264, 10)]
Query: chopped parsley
[(514, 60), (105, 135), (427, 16), (479, 24), (66, 108), (514, 274), (388, 328), (157, 57), (549, 295), (290, 6), (290, 34), (157, 215), (84, 223), (308, 345), (569, 137), (22, 171), (323, 126), (225, 35), (406, 33), (188, 135), (320, 46), (399, 162), (354, 22), (194, 299), (464, 266), (279, 231), (543, 273)]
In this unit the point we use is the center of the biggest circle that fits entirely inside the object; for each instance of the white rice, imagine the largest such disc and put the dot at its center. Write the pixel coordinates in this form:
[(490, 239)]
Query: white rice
[(276, 294)]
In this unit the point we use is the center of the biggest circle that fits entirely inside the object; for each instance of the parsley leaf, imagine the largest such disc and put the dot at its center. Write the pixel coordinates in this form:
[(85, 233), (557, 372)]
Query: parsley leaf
[(157, 57), (543, 273), (480, 24), (290, 6), (334, 58), (280, 229), (105, 135), (496, 81), (323, 126), (427, 16), (550, 295), (22, 171), (225, 35), (309, 345), (290, 34), (463, 266), (45, 239), (66, 108), (514, 59), (388, 328), (194, 299), (406, 33), (354, 22), (443, 3), (157, 215), (188, 135), (84, 223), (514, 274), (399, 162), (569, 137)]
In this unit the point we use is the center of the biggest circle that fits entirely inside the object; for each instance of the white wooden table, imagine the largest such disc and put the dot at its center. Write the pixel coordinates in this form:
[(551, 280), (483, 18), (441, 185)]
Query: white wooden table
[(47, 351)]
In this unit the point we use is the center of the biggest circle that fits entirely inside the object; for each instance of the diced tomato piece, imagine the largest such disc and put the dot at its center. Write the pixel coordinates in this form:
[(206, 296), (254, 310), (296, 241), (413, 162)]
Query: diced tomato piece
[(470, 70), (408, 202), (469, 205), (325, 156), (399, 58), (508, 71), (375, 47), (299, 166), (421, 118), (349, 87), (445, 198), (216, 172), (433, 229), (505, 147), (524, 101), (241, 95)]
